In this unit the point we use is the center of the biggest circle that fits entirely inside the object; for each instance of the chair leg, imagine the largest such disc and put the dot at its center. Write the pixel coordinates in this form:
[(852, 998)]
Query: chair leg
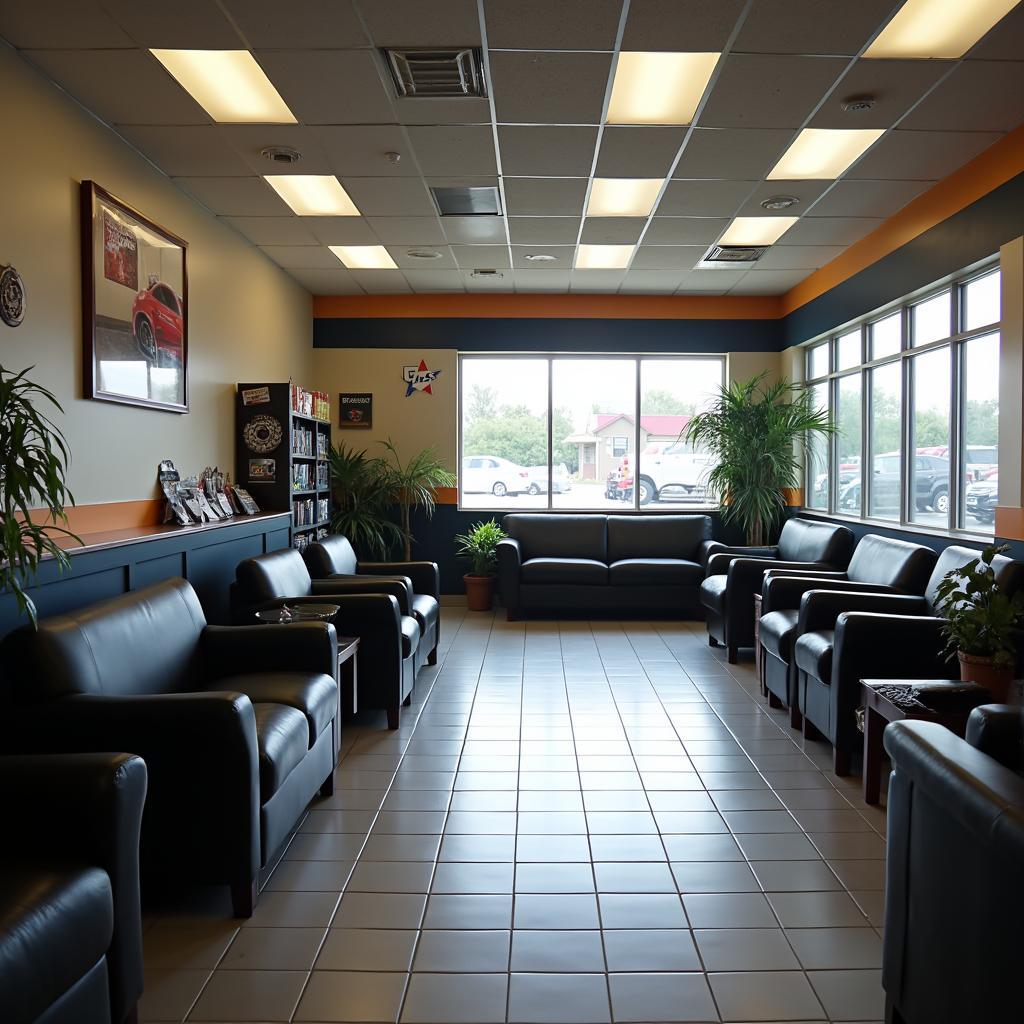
[(892, 1015), (243, 897), (712, 642), (796, 720), (811, 731), (432, 657), (327, 789), (394, 717), (773, 701), (732, 654), (407, 701), (510, 616), (841, 761)]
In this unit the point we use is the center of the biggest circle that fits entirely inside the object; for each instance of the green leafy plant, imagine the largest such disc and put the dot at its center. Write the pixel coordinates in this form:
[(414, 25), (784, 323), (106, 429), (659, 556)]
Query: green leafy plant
[(34, 462), (363, 499), (753, 432), (981, 619), (480, 545)]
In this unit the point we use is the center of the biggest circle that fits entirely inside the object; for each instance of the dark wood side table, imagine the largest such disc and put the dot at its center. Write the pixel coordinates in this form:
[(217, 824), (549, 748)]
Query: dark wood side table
[(757, 643), (348, 682)]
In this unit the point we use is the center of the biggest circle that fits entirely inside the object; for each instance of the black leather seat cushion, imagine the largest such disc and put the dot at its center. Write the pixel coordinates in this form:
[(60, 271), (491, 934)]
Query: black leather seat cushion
[(813, 653), (281, 734), (712, 591), (679, 537), (565, 570), (558, 536), (641, 572), (316, 696), (425, 608), (777, 632), (54, 927), (410, 635)]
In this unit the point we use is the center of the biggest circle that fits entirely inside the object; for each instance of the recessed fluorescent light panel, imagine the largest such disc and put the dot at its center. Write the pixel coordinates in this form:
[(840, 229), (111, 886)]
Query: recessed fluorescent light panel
[(228, 84), (364, 257), (823, 153), (937, 29), (603, 257), (623, 197), (659, 88), (313, 195), (756, 230)]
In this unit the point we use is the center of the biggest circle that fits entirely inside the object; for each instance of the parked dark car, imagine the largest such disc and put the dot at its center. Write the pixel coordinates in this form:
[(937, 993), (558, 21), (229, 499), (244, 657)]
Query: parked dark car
[(931, 485), (981, 498)]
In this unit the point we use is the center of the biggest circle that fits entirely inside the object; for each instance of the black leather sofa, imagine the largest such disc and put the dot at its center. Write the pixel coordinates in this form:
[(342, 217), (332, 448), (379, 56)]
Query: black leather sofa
[(879, 565), (581, 564), (391, 646), (735, 575), (334, 559), (70, 919), (238, 725), (955, 897), (843, 638)]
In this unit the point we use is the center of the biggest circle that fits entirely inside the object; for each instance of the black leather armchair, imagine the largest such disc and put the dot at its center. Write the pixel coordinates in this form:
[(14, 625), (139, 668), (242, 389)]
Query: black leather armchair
[(377, 610), (238, 726), (955, 897), (735, 575), (879, 565), (70, 919), (843, 638), (333, 558)]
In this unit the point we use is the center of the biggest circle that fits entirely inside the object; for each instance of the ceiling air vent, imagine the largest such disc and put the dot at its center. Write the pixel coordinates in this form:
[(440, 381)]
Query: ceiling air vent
[(719, 256), (430, 74), (471, 201)]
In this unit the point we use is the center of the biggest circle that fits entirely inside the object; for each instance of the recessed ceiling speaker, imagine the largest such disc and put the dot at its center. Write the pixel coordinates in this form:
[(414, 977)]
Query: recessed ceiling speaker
[(281, 155), (858, 104), (779, 202), (423, 254)]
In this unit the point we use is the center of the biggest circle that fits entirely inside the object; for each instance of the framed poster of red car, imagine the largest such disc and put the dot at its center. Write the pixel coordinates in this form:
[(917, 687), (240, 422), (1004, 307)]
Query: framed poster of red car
[(134, 306)]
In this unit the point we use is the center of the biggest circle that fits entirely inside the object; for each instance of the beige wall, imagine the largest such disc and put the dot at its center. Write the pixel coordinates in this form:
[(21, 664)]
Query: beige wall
[(744, 365), (247, 319)]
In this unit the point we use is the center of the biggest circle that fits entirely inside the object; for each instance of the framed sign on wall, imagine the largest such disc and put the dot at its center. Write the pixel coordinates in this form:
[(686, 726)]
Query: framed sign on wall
[(134, 306), (356, 409)]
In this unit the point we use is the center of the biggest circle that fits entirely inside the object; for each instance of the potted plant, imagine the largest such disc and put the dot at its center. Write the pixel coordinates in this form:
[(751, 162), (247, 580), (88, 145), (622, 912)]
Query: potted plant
[(480, 546), (982, 623), (753, 433), (415, 485), (363, 501), (33, 493)]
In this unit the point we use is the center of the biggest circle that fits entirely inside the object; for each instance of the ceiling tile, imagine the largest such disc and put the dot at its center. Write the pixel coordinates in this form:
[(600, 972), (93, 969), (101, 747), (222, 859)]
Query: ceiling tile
[(434, 280), (359, 150), (387, 197), (977, 96), (830, 230), (685, 230), (1002, 42), (768, 282), (693, 26), (703, 198), (455, 149), (408, 230), (852, 198), (563, 257), (400, 254), (806, 191), (547, 151), (650, 282), (539, 197), (381, 282), (667, 257), (638, 152), (193, 24), (424, 110), (329, 86), (27, 24), (543, 25), (341, 230), (249, 139), (533, 281), (327, 282), (474, 229), (543, 230), (471, 257), (768, 91), (596, 280), (745, 153), (453, 181), (798, 257), (193, 150), (708, 282), (811, 26), (301, 257), (96, 78), (297, 24), (895, 85), (549, 88), (398, 23), (925, 156), (273, 230), (612, 230), (235, 197)]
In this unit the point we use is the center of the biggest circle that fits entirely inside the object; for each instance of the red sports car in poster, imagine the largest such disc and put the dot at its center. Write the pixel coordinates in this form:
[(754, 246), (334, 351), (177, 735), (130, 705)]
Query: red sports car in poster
[(158, 324)]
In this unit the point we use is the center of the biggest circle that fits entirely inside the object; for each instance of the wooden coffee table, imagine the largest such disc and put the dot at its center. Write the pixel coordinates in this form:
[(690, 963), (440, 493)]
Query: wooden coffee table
[(348, 683)]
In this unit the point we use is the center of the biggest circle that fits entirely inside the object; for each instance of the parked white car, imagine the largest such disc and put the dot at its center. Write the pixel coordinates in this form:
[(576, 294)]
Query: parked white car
[(673, 466), (489, 474), (560, 482)]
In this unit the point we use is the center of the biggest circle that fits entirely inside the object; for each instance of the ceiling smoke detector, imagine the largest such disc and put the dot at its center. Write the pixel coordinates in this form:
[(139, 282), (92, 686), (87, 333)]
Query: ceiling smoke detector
[(423, 254), (281, 155), (429, 74), (539, 257), (858, 104), (779, 202)]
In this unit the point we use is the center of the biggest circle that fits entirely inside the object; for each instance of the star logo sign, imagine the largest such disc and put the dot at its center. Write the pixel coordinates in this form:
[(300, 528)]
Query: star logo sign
[(419, 378)]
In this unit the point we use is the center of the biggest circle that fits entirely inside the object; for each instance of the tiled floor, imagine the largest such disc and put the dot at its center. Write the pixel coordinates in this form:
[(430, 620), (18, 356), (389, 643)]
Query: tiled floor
[(577, 822)]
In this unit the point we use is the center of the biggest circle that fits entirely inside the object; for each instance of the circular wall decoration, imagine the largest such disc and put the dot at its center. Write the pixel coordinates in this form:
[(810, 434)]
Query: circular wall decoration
[(262, 434), (12, 297)]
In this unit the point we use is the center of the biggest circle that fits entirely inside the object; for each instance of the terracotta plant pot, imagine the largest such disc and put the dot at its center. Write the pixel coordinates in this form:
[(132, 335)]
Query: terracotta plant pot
[(983, 671), (479, 592)]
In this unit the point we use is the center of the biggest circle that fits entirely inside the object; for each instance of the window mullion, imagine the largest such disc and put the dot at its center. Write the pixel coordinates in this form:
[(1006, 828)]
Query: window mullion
[(551, 417), (636, 434)]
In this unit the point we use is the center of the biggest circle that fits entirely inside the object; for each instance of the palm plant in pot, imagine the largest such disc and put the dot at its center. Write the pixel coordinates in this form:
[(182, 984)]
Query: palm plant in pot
[(414, 485), (363, 500), (753, 432), (480, 546), (982, 623)]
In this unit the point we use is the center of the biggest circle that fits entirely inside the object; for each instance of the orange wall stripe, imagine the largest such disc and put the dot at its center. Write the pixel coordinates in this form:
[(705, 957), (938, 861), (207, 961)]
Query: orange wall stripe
[(447, 495), (1009, 522)]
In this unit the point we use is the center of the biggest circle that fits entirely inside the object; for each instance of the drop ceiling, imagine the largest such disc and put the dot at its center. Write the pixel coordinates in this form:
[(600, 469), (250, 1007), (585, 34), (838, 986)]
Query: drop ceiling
[(538, 136)]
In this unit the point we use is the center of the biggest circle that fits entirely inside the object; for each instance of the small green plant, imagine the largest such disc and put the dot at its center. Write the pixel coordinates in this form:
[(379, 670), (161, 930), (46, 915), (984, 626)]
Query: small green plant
[(981, 619), (363, 502), (480, 546), (33, 494)]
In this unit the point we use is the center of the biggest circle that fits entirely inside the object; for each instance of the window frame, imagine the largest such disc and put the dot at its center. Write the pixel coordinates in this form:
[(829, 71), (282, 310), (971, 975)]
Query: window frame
[(638, 358)]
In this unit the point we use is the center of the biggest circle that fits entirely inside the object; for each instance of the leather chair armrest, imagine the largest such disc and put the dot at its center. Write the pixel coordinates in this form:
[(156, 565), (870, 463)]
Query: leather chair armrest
[(399, 587), (871, 645), (86, 807), (425, 576), (998, 730), (510, 560), (819, 609), (271, 647), (719, 560), (359, 612), (787, 591), (706, 549)]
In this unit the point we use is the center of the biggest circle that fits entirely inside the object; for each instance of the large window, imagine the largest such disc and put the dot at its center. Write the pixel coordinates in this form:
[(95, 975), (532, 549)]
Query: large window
[(917, 388), (583, 432)]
